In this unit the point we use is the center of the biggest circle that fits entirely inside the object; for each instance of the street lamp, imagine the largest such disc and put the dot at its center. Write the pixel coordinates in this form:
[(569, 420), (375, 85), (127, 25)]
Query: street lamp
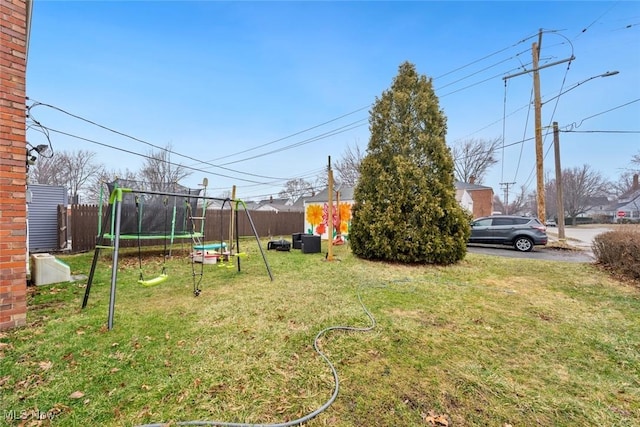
[(556, 150)]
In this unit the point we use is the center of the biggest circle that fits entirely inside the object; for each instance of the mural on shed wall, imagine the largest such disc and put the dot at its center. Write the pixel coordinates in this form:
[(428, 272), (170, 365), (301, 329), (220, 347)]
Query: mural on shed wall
[(316, 220)]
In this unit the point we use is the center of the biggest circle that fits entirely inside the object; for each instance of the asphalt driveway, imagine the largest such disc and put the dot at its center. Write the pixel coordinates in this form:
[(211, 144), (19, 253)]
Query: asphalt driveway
[(578, 240)]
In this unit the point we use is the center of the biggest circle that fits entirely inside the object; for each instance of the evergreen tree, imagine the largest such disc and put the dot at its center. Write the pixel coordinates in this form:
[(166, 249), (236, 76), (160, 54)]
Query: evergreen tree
[(404, 203)]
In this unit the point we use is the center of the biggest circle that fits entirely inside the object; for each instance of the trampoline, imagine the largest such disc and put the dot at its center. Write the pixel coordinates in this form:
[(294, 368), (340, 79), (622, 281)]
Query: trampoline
[(144, 215)]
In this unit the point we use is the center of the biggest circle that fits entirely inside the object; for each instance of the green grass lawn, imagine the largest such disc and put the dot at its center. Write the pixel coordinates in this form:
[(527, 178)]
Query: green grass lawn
[(488, 342)]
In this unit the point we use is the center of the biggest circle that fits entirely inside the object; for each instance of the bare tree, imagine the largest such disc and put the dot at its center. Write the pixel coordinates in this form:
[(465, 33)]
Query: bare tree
[(80, 168), (71, 169), (296, 188), (159, 173), (550, 193), (346, 170), (47, 170), (226, 194), (322, 179), (580, 186), (518, 203), (474, 157), (624, 183), (348, 166), (98, 184), (635, 159)]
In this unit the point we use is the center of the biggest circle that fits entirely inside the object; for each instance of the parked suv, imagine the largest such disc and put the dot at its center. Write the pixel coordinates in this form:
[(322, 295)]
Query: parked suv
[(519, 231)]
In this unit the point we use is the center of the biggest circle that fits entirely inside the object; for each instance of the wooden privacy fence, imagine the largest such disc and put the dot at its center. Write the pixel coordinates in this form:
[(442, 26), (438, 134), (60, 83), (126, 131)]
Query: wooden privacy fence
[(83, 226)]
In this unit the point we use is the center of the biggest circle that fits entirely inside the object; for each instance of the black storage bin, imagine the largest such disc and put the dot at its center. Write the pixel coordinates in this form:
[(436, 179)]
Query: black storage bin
[(310, 244), (296, 238)]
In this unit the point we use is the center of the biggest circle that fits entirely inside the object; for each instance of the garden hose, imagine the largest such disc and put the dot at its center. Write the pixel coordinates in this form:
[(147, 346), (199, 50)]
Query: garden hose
[(311, 415)]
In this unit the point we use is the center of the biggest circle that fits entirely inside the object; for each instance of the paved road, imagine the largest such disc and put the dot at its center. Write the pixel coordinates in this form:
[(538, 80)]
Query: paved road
[(578, 238)]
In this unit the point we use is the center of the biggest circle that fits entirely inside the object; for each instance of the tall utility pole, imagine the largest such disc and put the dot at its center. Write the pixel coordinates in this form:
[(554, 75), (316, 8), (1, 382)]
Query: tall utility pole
[(506, 186), (535, 51), (559, 199), (537, 105)]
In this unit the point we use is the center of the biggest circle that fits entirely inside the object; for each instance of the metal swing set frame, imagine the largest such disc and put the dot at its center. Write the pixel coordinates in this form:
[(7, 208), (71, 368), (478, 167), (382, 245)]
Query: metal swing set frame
[(114, 214)]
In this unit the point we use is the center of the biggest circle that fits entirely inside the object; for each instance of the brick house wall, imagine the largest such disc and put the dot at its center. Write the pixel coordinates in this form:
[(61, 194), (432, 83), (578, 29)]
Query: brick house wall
[(481, 195), (13, 225), (482, 201)]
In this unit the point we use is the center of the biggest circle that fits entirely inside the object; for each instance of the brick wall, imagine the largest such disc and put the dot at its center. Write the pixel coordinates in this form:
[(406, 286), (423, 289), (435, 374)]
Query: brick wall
[(13, 226), (482, 201)]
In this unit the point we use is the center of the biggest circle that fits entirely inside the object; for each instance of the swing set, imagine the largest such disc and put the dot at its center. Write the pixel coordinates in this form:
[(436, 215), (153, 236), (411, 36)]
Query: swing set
[(143, 214)]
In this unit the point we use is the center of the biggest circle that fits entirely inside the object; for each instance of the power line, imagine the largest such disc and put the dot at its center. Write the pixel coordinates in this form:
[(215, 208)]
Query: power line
[(601, 131), (584, 30), (36, 104), (327, 134), (345, 128), (575, 125), (368, 106), (292, 135), (143, 155), (487, 56)]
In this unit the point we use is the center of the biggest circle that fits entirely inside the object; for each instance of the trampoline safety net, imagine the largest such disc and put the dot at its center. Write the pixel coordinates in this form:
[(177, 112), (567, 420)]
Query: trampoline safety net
[(156, 210)]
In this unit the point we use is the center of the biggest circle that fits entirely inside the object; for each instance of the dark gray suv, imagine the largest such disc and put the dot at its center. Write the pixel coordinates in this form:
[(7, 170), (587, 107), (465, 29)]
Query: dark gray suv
[(521, 232)]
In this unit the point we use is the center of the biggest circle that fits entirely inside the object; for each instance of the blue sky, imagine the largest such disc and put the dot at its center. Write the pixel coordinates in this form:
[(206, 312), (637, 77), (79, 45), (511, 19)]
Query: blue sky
[(229, 83)]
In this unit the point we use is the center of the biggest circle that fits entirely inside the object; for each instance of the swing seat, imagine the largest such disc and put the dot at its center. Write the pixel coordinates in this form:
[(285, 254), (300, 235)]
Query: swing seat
[(155, 281)]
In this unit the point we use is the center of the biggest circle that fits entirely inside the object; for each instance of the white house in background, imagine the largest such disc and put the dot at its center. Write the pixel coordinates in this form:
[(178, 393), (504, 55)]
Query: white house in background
[(278, 205), (628, 203), (464, 199), (600, 206)]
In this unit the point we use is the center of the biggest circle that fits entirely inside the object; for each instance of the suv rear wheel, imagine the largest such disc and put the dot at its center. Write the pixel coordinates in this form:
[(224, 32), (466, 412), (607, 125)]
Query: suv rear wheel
[(523, 244)]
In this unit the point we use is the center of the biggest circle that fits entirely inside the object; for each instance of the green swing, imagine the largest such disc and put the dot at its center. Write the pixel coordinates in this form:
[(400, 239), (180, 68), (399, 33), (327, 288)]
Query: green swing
[(163, 275)]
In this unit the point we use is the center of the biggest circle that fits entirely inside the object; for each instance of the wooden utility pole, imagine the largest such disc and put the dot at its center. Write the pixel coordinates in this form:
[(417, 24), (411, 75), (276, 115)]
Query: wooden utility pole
[(535, 51), (506, 195), (330, 215), (559, 199), (537, 104)]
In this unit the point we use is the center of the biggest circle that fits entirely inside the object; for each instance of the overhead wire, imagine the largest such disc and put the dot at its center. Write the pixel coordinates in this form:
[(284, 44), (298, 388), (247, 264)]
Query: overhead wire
[(304, 142), (47, 130), (293, 134), (37, 104), (368, 106), (327, 134), (342, 129), (584, 30), (574, 125), (486, 56), (124, 150)]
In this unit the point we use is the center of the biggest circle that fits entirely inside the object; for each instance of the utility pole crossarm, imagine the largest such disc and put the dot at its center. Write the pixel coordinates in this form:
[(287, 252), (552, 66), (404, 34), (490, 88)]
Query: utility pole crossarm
[(536, 68)]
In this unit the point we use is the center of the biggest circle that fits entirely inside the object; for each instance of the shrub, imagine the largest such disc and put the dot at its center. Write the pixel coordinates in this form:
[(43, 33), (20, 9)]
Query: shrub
[(619, 250)]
